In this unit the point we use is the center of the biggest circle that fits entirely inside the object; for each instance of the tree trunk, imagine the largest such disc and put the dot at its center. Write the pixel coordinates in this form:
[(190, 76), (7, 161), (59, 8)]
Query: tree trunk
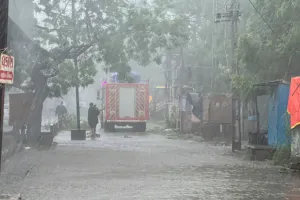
[(35, 119), (35, 115)]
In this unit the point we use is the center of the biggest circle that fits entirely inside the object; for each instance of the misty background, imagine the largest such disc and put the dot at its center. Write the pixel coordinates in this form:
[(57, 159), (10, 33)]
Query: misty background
[(20, 11)]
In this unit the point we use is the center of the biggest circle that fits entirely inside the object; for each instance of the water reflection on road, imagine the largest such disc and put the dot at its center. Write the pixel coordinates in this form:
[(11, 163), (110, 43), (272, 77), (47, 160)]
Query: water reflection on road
[(197, 170), (150, 166)]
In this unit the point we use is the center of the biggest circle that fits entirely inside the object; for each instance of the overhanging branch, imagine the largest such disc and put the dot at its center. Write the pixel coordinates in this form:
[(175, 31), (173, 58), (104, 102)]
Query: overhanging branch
[(70, 52), (49, 30)]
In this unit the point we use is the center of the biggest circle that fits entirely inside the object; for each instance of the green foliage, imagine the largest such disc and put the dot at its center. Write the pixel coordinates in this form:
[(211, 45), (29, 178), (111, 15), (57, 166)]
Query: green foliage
[(71, 123), (65, 79), (269, 48), (263, 53), (209, 46), (282, 155), (118, 30), (288, 129), (244, 85)]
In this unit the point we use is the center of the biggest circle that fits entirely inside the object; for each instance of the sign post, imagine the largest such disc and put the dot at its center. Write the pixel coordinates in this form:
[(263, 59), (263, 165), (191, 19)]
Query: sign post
[(7, 65), (7, 69), (3, 48)]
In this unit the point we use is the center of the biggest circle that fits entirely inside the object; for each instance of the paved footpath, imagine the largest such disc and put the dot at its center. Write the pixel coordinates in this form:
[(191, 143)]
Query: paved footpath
[(122, 166)]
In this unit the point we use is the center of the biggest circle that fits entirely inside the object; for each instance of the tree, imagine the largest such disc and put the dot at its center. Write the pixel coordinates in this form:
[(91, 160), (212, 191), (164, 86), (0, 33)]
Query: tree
[(269, 49), (206, 50), (107, 32), (209, 47)]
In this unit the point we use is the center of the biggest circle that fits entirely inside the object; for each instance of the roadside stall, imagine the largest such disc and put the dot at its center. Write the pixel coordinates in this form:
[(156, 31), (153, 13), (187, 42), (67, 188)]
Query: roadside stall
[(261, 145), (217, 116)]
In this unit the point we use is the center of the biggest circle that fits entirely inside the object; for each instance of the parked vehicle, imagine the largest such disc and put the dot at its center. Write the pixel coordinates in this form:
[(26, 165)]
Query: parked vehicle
[(124, 104)]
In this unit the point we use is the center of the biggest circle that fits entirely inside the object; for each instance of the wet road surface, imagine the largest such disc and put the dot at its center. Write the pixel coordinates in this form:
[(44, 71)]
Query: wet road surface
[(145, 166)]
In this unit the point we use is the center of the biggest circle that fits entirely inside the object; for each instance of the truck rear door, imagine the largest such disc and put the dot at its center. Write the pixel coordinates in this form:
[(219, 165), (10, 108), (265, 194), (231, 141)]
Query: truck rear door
[(127, 102)]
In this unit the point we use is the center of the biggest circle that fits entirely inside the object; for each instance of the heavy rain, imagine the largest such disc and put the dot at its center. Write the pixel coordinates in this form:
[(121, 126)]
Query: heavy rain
[(149, 99)]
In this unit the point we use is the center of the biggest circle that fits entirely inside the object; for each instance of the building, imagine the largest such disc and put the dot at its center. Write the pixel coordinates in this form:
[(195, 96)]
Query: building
[(21, 12), (20, 32)]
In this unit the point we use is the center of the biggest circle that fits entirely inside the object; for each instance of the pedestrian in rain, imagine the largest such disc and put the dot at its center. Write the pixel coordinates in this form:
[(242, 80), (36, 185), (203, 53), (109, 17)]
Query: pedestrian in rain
[(93, 114), (61, 112)]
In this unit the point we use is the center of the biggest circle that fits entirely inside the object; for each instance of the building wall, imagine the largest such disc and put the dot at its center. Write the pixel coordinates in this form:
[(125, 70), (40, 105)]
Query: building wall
[(21, 12)]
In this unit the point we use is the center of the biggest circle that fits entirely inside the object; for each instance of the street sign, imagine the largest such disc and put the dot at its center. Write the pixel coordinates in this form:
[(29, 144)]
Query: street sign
[(7, 66)]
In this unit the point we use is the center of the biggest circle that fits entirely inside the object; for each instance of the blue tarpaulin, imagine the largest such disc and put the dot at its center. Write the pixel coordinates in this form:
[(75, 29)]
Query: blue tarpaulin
[(278, 117)]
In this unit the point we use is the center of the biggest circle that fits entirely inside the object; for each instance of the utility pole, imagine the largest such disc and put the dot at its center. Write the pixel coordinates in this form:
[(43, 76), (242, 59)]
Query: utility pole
[(76, 65), (3, 47), (213, 61), (181, 124), (168, 76), (232, 14)]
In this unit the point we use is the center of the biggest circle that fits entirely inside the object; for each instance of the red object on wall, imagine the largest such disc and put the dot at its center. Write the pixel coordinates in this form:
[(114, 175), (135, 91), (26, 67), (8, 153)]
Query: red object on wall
[(294, 102)]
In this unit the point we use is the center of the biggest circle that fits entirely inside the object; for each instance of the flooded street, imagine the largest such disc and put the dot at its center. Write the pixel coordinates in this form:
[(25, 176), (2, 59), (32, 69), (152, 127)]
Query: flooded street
[(227, 70), (146, 166)]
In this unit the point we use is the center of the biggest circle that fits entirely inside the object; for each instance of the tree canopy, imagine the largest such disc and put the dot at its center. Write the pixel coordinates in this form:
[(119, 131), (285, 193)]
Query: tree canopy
[(114, 32), (110, 32), (269, 47), (268, 38)]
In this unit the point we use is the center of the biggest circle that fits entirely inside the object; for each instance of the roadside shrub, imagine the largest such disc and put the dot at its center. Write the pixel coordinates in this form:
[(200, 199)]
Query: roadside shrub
[(171, 122), (282, 155), (71, 123)]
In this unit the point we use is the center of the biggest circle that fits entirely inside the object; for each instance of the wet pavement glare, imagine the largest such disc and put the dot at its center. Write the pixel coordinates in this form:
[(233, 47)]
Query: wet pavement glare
[(142, 166)]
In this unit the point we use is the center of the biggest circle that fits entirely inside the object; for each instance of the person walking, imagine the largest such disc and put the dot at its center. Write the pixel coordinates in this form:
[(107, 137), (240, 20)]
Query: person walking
[(61, 112), (93, 114)]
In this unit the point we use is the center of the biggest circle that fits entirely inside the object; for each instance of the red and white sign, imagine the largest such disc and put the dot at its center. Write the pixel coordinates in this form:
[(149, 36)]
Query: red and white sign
[(7, 66)]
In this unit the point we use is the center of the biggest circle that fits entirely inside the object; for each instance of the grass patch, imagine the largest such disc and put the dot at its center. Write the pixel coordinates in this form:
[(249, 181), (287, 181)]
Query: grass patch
[(282, 155)]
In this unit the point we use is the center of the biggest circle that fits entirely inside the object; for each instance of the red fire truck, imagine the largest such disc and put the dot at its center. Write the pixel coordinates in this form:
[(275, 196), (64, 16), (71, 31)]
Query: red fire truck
[(124, 104)]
